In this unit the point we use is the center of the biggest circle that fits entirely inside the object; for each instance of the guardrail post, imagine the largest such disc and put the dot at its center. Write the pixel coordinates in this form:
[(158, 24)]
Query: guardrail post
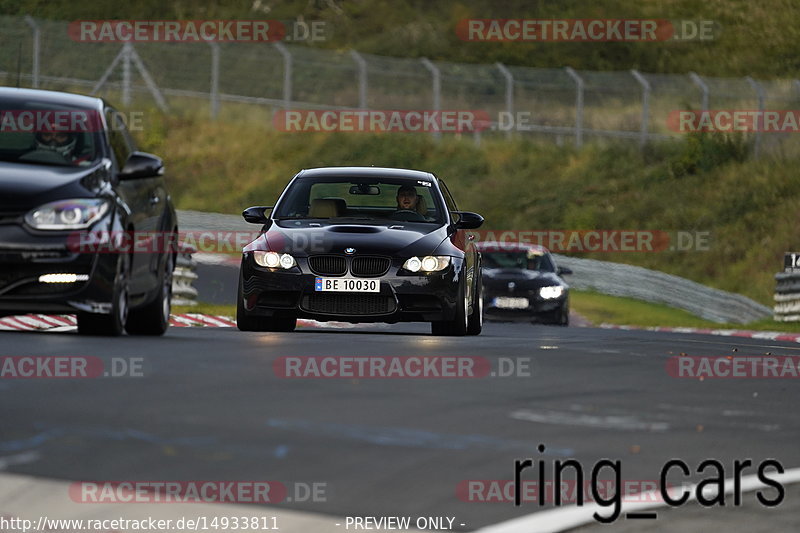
[(182, 291), (759, 121), (287, 74), (362, 79), (645, 106), (36, 35), (509, 92), (578, 105), (697, 80), (436, 77), (214, 79)]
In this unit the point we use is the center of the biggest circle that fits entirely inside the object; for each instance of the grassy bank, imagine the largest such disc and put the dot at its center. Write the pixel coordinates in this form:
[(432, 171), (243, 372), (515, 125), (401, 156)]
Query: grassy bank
[(748, 208), (751, 38)]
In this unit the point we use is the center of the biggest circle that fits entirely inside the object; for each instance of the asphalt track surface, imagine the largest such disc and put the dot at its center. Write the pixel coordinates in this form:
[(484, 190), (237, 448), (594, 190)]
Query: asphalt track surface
[(209, 406)]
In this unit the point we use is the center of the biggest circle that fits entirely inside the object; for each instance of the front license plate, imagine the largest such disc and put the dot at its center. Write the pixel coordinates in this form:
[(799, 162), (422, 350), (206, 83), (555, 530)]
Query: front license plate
[(347, 285), (506, 302)]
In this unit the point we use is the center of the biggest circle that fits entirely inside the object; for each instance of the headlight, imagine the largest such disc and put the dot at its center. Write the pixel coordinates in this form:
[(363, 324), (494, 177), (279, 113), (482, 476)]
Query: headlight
[(549, 293), (429, 263), (274, 260), (67, 214)]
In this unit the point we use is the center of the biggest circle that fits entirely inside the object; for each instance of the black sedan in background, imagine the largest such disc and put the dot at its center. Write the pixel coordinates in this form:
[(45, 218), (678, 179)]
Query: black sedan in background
[(523, 282), (362, 244), (71, 182)]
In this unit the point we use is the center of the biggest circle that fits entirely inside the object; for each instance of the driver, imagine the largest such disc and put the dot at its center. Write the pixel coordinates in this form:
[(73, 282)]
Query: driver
[(407, 198), (64, 143)]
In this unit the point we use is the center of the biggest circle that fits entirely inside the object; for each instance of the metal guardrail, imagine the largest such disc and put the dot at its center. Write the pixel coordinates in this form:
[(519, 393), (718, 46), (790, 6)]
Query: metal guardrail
[(787, 297), (618, 279), (182, 291)]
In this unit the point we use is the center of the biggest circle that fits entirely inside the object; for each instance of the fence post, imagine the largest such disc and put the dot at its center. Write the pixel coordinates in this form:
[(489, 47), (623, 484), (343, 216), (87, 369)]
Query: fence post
[(509, 93), (436, 76), (796, 84), (214, 79), (703, 87), (759, 121), (36, 34), (362, 79), (126, 74), (287, 74), (645, 106), (578, 105)]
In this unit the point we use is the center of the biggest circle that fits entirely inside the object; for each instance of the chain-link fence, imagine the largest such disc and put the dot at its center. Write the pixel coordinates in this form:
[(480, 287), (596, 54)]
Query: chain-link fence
[(253, 80)]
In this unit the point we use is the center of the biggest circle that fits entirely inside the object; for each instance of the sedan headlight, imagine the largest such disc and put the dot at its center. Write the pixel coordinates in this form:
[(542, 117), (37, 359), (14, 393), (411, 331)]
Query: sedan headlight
[(274, 260), (429, 263), (67, 214), (550, 293)]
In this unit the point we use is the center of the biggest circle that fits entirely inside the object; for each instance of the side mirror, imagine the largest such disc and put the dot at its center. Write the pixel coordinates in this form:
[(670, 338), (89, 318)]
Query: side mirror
[(468, 220), (141, 165), (563, 270), (256, 214)]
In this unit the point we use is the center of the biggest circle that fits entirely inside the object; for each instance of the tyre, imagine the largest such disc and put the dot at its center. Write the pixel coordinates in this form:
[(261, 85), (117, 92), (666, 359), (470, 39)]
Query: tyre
[(153, 318), (458, 326), (112, 324), (475, 322), (560, 316), (248, 322)]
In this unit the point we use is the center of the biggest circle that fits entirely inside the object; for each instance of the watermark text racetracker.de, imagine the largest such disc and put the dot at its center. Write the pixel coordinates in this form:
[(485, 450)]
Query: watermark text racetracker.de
[(586, 30), (70, 367), (381, 120), (578, 241), (64, 121), (401, 367), (197, 491), (196, 31), (734, 121), (733, 367)]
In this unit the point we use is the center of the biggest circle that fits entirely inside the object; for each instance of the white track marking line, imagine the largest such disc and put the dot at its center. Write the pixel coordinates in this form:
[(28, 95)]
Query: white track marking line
[(14, 322), (186, 320), (564, 518), (208, 320), (34, 322), (228, 321)]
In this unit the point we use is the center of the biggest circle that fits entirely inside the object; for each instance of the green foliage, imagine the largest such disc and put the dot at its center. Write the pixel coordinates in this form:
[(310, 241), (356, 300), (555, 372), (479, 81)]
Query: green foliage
[(756, 38), (748, 208), (704, 151)]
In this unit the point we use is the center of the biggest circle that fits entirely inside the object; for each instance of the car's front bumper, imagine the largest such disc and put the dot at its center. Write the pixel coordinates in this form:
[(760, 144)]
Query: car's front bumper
[(24, 257), (403, 297), (538, 309)]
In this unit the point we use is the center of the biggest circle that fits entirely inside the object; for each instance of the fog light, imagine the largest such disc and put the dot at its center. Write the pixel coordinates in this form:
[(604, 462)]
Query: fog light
[(63, 278)]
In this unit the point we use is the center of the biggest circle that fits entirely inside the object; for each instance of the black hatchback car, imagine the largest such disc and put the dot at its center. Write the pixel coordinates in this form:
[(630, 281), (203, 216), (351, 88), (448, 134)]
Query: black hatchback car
[(68, 169), (523, 282), (362, 244)]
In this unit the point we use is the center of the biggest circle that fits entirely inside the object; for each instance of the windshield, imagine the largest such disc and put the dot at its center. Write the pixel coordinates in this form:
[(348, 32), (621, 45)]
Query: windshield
[(372, 200), (40, 133), (520, 260)]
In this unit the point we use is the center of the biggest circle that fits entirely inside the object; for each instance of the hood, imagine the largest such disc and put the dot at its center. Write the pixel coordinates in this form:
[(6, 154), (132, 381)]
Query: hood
[(303, 240), (24, 186)]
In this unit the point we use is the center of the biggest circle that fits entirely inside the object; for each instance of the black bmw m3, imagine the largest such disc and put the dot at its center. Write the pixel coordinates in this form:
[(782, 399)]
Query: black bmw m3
[(362, 244), (523, 283)]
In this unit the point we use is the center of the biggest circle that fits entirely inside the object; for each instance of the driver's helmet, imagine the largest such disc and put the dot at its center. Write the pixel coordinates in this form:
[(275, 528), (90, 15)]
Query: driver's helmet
[(62, 142)]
